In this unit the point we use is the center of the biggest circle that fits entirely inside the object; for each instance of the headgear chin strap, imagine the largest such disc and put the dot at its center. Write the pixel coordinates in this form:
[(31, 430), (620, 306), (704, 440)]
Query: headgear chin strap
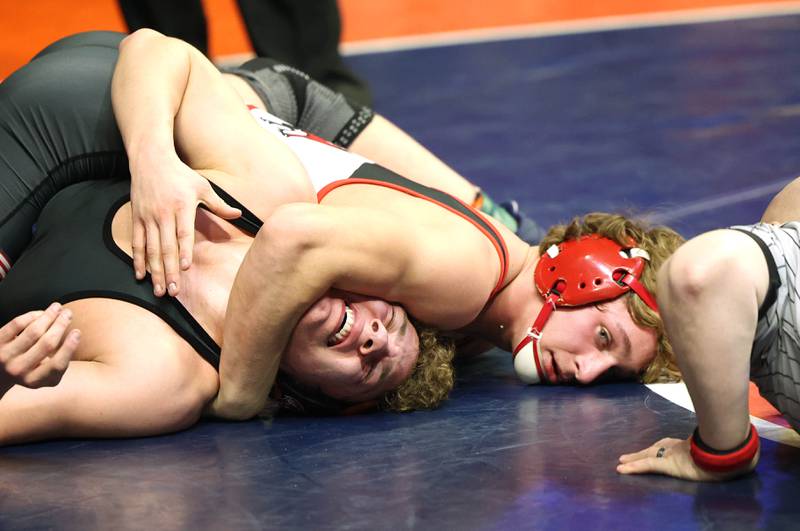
[(588, 270)]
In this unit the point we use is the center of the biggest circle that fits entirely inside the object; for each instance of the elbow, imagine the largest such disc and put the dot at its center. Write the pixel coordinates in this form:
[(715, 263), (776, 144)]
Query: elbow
[(291, 231), (139, 36), (700, 267)]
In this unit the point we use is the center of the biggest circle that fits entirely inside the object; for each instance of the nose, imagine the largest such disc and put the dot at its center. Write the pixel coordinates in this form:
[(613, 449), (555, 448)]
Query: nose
[(374, 340), (589, 366)]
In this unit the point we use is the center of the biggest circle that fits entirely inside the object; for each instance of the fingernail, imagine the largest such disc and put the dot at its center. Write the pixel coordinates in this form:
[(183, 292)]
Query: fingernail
[(173, 288), (54, 307), (157, 290), (76, 334), (67, 315), (184, 263)]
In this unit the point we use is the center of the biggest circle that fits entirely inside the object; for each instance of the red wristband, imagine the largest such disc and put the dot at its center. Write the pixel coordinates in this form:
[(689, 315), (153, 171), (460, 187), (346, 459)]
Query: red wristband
[(714, 460)]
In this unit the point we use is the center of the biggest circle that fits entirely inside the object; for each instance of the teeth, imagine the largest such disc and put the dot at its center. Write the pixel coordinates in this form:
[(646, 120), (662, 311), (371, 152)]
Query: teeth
[(347, 325)]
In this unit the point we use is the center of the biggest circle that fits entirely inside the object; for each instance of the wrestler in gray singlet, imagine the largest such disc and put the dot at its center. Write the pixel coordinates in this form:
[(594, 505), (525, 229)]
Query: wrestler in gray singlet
[(775, 358)]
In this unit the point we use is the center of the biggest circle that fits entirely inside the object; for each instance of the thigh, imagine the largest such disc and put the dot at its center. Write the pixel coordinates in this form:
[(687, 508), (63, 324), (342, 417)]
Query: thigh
[(58, 129)]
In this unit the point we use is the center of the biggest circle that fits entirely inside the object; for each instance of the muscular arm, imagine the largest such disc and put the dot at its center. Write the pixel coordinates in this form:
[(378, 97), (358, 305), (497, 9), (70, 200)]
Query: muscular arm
[(709, 294), (165, 90), (301, 252), (305, 250)]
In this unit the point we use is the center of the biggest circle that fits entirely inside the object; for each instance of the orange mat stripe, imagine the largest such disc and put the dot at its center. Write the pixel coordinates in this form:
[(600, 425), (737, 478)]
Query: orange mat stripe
[(762, 409), (26, 27)]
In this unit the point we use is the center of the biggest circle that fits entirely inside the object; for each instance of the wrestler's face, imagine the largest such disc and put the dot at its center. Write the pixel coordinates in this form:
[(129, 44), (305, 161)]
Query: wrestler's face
[(595, 343), (352, 348)]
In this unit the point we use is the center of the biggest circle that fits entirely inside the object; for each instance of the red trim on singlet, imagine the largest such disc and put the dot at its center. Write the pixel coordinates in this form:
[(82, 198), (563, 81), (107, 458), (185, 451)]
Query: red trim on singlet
[(498, 243), (5, 265)]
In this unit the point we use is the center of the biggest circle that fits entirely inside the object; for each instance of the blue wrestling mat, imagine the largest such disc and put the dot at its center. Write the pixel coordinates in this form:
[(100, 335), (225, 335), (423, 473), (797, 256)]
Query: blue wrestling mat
[(697, 124)]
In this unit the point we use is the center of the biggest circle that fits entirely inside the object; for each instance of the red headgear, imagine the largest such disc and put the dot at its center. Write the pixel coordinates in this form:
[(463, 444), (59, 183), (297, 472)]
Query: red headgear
[(587, 270)]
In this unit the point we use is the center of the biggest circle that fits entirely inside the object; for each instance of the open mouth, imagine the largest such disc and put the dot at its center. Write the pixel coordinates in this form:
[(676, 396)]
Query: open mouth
[(345, 327)]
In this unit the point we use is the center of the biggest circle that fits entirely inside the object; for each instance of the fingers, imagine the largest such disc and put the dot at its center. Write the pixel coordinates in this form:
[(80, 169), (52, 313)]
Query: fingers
[(650, 451), (169, 255), (154, 263), (185, 232), (139, 250), (50, 371), (215, 204), (156, 249), (26, 332), (39, 352), (11, 329), (647, 465)]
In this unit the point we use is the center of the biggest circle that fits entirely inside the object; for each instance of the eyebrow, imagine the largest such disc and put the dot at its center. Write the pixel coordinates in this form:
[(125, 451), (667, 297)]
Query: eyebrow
[(404, 326), (625, 340), (384, 374)]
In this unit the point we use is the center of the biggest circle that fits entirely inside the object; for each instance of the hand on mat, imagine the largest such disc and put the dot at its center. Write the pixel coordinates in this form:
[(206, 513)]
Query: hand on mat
[(35, 348), (675, 461), (164, 206)]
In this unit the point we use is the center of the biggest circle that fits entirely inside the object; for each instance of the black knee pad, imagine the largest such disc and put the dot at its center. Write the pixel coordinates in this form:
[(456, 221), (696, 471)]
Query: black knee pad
[(292, 95)]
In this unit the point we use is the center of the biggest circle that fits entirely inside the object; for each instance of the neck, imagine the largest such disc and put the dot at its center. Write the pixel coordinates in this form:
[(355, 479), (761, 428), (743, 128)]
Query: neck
[(219, 249), (506, 319)]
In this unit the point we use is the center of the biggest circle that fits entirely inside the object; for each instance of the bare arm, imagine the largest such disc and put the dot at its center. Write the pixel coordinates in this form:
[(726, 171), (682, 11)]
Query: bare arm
[(785, 206), (151, 79), (709, 294), (110, 387), (299, 254), (303, 251), (36, 347), (177, 114)]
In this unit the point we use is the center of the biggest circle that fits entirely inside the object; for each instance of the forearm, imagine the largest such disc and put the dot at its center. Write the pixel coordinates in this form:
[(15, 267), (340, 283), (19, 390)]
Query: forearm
[(149, 82), (276, 283), (301, 252), (709, 294)]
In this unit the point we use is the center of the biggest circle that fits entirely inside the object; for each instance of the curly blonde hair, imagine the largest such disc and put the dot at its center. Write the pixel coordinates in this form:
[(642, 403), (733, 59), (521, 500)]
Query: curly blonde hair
[(660, 243), (432, 379)]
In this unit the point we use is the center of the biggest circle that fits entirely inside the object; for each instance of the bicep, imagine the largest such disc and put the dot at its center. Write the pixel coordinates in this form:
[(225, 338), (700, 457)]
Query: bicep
[(215, 130), (442, 277)]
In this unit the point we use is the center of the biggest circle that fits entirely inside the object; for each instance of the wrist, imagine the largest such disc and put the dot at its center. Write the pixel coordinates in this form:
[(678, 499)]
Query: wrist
[(149, 150), (239, 407), (720, 461)]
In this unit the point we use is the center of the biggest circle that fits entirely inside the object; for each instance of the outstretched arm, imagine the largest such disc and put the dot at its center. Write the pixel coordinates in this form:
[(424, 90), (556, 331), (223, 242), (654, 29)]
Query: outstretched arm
[(709, 294)]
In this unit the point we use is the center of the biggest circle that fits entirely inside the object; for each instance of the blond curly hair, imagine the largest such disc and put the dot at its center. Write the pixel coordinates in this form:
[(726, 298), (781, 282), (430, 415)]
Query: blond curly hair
[(432, 379), (660, 243)]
